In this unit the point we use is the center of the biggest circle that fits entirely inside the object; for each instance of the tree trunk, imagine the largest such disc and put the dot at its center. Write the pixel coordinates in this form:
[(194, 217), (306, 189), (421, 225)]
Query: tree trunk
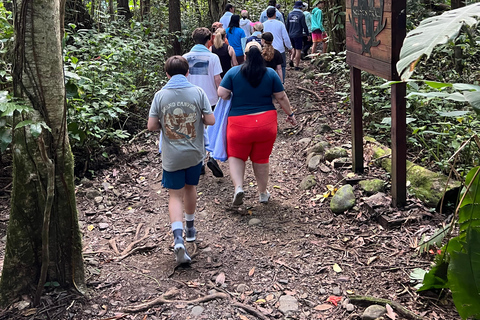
[(111, 11), (123, 9), (174, 25), (335, 24), (92, 8), (39, 79), (146, 7), (77, 13), (216, 9)]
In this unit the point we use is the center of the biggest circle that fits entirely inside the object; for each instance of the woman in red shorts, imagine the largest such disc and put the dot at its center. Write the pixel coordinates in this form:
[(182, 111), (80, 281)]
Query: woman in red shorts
[(252, 120)]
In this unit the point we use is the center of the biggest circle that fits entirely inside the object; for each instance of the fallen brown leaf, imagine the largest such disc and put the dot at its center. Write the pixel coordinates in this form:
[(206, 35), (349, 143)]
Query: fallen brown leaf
[(220, 280), (323, 307), (251, 272), (392, 315)]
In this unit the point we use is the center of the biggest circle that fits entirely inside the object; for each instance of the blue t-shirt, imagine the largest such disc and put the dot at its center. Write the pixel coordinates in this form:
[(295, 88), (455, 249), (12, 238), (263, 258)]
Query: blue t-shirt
[(247, 99), (235, 40)]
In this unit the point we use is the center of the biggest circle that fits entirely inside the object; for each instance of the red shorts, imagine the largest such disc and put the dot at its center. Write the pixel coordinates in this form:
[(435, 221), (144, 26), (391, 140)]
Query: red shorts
[(317, 36), (252, 136)]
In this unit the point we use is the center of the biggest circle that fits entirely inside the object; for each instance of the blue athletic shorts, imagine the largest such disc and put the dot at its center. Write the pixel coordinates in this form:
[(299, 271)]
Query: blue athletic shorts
[(178, 179)]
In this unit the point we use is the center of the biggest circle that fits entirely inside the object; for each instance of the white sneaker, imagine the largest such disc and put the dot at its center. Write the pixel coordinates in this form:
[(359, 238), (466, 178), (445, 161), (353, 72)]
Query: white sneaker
[(181, 255), (238, 196), (264, 197)]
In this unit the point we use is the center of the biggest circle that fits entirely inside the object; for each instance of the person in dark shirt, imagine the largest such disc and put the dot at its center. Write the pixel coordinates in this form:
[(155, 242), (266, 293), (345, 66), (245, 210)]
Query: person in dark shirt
[(223, 51), (273, 58), (257, 34)]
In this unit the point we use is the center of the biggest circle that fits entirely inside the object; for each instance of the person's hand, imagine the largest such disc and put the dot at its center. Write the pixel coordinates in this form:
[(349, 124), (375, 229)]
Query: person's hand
[(291, 119)]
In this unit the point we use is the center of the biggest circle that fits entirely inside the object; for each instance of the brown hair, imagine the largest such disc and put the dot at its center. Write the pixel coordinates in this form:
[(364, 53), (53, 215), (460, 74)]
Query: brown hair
[(268, 50), (176, 65), (201, 35), (219, 39)]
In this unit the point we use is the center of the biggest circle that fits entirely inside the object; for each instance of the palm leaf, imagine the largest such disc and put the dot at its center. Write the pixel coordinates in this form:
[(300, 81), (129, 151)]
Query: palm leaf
[(432, 32)]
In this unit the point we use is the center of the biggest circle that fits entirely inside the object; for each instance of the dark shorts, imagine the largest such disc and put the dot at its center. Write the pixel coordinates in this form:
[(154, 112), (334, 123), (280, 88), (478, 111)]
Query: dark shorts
[(297, 43), (178, 179)]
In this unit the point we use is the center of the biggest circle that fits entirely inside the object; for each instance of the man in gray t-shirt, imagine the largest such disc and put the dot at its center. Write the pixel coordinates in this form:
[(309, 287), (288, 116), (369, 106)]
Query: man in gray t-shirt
[(181, 110)]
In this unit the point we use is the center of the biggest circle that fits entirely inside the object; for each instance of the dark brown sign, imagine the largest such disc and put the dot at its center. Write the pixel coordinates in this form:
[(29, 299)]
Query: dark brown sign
[(372, 29)]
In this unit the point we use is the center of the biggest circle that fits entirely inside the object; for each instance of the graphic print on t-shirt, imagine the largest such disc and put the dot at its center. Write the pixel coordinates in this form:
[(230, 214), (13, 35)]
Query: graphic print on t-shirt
[(178, 123), (198, 65)]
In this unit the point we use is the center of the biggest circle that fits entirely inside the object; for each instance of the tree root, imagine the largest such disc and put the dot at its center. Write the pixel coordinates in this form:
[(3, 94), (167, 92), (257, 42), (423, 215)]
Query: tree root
[(250, 310), (368, 300), (162, 300), (310, 91), (144, 248)]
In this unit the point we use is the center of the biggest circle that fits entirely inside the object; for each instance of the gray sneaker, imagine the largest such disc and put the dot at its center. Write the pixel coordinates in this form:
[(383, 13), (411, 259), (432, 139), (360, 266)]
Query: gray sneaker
[(190, 234), (264, 197), (181, 255), (238, 196)]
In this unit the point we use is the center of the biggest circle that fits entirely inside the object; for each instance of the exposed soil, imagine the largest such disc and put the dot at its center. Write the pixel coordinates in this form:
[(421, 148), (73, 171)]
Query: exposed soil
[(239, 266)]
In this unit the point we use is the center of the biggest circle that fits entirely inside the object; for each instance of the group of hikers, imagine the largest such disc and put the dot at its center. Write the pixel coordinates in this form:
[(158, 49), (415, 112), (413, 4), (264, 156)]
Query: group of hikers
[(228, 82)]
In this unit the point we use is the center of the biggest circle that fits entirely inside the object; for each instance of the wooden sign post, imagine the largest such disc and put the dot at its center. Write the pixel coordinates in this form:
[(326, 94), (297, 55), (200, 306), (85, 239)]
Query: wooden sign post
[(375, 33)]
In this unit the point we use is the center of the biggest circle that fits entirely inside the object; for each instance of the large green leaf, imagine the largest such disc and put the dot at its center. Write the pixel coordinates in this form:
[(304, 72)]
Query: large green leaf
[(432, 32), (473, 193), (464, 277), (473, 97)]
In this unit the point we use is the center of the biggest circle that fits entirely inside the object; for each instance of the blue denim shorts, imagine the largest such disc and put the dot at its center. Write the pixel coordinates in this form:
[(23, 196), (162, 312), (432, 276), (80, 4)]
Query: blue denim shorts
[(178, 179)]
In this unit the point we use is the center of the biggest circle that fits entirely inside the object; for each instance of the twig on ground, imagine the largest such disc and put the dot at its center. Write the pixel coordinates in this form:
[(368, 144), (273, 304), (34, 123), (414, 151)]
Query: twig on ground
[(285, 265), (135, 137), (310, 91), (131, 245), (138, 230), (113, 244), (395, 305), (308, 111), (137, 249), (250, 310), (162, 300)]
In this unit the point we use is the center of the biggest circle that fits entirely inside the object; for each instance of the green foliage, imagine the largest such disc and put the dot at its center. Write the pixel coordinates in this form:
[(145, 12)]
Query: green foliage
[(111, 76), (432, 32), (6, 44), (458, 267)]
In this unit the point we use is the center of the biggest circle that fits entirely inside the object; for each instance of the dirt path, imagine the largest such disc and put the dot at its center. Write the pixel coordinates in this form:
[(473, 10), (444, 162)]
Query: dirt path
[(250, 266)]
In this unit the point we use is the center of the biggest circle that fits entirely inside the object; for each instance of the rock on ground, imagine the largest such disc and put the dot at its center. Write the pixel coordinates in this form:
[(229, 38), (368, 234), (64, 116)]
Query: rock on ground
[(343, 200), (287, 304), (373, 312)]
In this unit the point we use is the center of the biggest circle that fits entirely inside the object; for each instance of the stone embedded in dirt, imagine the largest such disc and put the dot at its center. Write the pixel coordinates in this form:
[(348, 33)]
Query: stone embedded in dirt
[(287, 304), (345, 302), (102, 225), (86, 183), (254, 222), (197, 310), (343, 200), (335, 153), (350, 307), (325, 128), (314, 162), (336, 291), (308, 182), (322, 291), (324, 168), (372, 186), (242, 287), (317, 148), (92, 194), (373, 312), (105, 185), (304, 142)]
